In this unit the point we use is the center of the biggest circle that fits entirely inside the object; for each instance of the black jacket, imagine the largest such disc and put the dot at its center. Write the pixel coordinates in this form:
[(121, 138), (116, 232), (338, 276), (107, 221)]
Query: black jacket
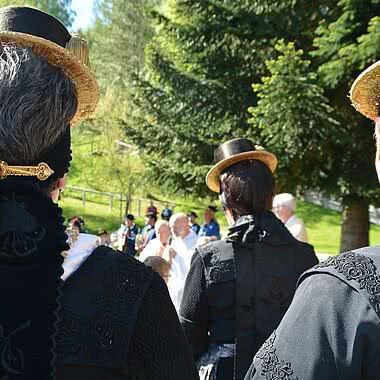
[(118, 322), (238, 289), (332, 328)]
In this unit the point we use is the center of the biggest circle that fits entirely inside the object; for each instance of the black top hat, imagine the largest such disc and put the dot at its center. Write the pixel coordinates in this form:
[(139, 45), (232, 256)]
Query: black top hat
[(48, 38), (234, 151)]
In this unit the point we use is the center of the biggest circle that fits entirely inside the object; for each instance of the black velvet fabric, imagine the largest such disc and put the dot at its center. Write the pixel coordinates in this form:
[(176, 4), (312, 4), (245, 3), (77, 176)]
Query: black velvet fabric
[(34, 22), (58, 157), (238, 292), (32, 238), (118, 322)]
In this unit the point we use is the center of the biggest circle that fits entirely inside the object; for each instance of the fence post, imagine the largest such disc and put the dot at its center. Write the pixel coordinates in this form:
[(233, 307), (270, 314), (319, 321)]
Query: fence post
[(139, 212), (111, 202), (84, 198), (120, 206)]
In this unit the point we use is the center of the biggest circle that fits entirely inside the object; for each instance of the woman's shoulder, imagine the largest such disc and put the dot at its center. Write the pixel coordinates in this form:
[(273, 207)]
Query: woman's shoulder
[(214, 250), (106, 260)]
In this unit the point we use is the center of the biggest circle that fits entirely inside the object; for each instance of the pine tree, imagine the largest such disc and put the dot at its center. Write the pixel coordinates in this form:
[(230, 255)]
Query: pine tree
[(295, 120), (197, 85), (345, 42)]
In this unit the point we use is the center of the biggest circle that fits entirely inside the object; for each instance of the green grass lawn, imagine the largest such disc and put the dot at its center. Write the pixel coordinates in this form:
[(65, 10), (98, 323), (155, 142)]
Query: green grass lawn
[(323, 226)]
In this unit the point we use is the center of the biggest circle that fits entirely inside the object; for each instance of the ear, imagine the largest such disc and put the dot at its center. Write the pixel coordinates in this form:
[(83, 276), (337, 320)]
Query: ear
[(57, 187)]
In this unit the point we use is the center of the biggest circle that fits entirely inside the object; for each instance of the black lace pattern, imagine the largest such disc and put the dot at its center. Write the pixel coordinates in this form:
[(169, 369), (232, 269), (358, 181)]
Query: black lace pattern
[(272, 367), (104, 337), (361, 269)]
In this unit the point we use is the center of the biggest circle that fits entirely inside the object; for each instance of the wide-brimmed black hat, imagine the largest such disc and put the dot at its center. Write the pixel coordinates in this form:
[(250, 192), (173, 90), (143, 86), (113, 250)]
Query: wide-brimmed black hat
[(234, 151), (48, 38)]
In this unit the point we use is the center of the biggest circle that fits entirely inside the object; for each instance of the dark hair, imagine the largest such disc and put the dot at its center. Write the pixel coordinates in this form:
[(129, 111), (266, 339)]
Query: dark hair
[(151, 216), (247, 187), (130, 217)]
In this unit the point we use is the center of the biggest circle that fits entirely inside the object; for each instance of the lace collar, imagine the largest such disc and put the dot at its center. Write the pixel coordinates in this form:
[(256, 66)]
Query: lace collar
[(263, 226), (81, 249)]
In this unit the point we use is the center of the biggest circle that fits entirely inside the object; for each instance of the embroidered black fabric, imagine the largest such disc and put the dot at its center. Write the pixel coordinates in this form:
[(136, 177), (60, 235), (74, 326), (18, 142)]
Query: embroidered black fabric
[(238, 290), (358, 268), (272, 367), (32, 236), (117, 322)]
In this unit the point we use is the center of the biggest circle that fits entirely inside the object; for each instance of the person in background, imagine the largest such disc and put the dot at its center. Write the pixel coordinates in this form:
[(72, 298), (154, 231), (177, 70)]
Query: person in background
[(210, 227), (239, 288), (182, 249), (284, 206), (129, 235), (192, 218), (151, 209), (332, 328), (148, 232), (158, 246), (104, 238), (166, 214), (76, 224), (126, 236), (159, 265)]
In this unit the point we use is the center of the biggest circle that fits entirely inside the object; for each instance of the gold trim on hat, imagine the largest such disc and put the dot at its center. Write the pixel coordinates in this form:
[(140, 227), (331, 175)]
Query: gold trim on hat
[(73, 60), (42, 171)]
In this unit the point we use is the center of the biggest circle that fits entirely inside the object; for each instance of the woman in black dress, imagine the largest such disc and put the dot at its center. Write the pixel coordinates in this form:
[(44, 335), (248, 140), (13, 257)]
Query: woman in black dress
[(112, 318), (239, 288)]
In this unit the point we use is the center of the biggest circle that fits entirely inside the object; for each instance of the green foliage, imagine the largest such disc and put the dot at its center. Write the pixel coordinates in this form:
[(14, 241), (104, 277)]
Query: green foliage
[(58, 8), (196, 88), (345, 45), (294, 119), (118, 39), (103, 160)]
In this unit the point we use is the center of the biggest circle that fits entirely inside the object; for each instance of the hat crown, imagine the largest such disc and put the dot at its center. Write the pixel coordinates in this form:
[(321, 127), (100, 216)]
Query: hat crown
[(33, 22), (233, 147)]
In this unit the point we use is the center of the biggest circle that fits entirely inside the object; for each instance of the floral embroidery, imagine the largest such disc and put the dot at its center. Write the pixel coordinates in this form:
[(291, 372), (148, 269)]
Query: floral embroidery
[(361, 269), (104, 337), (271, 366), (12, 357), (218, 271)]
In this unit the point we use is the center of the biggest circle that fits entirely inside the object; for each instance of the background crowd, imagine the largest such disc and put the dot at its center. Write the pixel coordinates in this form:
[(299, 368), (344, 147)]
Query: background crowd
[(167, 240)]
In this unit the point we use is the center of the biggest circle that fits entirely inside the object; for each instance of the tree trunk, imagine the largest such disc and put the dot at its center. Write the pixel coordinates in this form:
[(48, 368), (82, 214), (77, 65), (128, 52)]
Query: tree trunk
[(355, 224)]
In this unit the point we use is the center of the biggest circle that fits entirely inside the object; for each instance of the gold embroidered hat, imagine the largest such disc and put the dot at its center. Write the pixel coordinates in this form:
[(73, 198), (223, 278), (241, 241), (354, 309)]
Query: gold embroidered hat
[(365, 92), (48, 38), (234, 151)]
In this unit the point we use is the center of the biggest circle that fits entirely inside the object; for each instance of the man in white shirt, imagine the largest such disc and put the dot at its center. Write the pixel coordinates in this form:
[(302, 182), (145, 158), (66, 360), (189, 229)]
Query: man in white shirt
[(183, 246), (284, 206)]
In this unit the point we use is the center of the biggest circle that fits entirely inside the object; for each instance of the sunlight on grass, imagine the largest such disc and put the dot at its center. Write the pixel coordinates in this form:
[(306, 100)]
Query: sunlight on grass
[(323, 226)]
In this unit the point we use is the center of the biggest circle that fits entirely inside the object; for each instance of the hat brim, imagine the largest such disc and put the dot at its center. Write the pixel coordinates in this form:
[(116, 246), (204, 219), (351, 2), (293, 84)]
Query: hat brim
[(86, 86), (365, 92), (212, 178)]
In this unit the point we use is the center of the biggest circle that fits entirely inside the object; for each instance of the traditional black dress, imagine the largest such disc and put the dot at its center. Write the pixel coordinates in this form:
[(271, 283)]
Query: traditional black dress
[(238, 290), (332, 328), (117, 322)]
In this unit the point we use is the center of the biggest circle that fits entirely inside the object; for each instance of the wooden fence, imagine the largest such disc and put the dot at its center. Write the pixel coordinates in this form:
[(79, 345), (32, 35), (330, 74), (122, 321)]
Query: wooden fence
[(112, 199)]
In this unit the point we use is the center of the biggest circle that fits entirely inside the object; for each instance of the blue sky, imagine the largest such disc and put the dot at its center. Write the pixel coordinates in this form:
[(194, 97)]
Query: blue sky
[(84, 10)]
